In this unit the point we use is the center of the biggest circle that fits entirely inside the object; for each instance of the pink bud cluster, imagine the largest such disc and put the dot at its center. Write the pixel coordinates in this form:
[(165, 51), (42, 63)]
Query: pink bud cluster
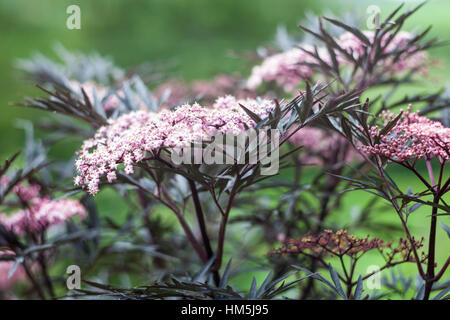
[(6, 282), (137, 135), (323, 147), (340, 243), (40, 212), (289, 68), (413, 137)]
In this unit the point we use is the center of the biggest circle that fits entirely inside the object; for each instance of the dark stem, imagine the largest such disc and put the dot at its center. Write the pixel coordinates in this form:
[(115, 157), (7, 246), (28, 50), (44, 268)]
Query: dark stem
[(223, 226), (48, 281), (332, 184), (202, 226), (198, 249), (190, 236), (350, 278), (43, 264), (430, 279), (221, 241), (146, 205), (444, 268), (33, 281), (187, 230), (391, 196)]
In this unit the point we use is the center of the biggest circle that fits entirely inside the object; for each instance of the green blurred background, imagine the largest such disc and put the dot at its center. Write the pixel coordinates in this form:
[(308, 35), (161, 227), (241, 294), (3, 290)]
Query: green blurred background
[(197, 35)]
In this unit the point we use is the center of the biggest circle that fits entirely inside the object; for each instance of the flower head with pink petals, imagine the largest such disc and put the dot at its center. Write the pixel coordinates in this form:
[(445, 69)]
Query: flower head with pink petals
[(136, 135), (40, 212), (412, 137)]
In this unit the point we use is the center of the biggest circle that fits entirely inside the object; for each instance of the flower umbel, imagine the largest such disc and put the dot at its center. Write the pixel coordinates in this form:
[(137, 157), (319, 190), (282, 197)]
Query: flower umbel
[(40, 212), (137, 135), (413, 137)]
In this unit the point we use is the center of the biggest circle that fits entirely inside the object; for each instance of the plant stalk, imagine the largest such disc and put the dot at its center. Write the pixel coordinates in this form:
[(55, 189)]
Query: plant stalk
[(202, 226), (430, 279)]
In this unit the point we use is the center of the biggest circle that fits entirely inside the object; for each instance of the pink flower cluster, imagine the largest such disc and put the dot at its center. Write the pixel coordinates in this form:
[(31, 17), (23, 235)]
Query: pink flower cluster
[(284, 68), (323, 147), (409, 60), (40, 212), (5, 266), (413, 137), (288, 68), (136, 135)]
